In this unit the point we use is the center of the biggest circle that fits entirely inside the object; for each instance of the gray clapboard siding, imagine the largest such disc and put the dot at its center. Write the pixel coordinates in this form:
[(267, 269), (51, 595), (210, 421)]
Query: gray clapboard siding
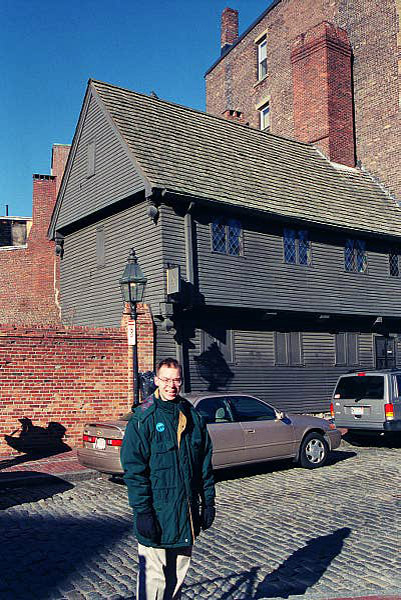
[(299, 389), (261, 279), (115, 177), (91, 294)]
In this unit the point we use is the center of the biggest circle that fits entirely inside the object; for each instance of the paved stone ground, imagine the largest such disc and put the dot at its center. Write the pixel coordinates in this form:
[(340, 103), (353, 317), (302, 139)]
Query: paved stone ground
[(281, 532)]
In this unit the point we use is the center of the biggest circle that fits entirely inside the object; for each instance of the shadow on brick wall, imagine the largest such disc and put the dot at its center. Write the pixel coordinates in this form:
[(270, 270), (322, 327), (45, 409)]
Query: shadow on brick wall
[(37, 441)]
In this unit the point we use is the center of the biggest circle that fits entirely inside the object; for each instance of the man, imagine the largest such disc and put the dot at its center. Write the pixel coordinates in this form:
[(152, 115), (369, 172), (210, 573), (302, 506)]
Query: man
[(166, 456)]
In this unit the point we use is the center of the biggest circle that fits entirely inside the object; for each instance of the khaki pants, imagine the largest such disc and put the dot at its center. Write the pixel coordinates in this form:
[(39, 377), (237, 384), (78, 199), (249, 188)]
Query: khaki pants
[(162, 572)]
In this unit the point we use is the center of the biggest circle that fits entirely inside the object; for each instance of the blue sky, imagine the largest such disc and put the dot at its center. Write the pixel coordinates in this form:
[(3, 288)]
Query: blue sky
[(49, 50)]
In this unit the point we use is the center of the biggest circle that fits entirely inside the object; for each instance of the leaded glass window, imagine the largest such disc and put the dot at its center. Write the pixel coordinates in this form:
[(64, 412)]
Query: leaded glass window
[(355, 259), (303, 248), (218, 237), (290, 255), (227, 237), (394, 265), (296, 247), (234, 237)]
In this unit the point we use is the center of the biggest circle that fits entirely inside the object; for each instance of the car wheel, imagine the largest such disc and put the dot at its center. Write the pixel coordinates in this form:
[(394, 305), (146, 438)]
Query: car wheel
[(314, 451)]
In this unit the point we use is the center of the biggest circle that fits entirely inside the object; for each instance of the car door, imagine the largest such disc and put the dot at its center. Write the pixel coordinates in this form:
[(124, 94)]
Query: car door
[(266, 435), (227, 436)]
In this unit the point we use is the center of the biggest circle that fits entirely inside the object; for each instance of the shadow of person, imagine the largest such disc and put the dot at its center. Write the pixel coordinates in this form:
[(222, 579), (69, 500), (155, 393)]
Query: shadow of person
[(17, 493), (304, 567), (37, 441), (213, 368)]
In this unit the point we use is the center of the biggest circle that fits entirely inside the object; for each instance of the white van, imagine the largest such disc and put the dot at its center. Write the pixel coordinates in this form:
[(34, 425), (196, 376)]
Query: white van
[(368, 401)]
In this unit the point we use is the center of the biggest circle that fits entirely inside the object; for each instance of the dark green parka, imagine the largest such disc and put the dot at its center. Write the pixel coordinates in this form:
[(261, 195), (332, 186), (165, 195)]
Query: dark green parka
[(166, 456)]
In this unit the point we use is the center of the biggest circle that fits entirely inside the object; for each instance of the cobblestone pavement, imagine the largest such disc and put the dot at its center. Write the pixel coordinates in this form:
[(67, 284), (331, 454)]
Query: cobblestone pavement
[(281, 532)]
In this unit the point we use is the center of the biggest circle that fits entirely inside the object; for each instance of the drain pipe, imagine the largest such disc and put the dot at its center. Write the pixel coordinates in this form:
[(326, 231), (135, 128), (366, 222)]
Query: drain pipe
[(189, 250)]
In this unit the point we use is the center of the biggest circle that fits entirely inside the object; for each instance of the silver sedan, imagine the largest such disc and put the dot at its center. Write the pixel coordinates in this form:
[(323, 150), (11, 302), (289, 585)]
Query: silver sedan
[(244, 430)]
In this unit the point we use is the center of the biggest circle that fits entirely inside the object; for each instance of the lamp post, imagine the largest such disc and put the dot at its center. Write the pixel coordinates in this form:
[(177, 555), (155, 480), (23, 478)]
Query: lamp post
[(132, 285)]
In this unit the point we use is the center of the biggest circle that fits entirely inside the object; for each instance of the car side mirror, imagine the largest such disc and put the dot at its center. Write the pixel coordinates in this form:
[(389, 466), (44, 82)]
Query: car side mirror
[(280, 415)]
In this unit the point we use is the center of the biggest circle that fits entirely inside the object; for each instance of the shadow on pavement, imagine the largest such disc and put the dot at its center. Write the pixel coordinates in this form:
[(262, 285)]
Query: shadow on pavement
[(18, 494), (40, 554), (364, 440), (304, 567), (337, 456), (294, 576)]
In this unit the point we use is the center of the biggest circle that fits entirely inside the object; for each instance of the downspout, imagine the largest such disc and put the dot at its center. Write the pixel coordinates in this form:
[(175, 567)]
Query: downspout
[(190, 276)]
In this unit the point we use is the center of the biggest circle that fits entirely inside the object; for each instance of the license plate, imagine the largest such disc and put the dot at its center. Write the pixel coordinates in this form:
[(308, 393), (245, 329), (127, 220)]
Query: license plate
[(357, 410), (100, 444)]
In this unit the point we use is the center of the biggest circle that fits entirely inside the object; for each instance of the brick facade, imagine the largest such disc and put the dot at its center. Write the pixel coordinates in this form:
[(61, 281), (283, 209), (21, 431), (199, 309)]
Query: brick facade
[(68, 375), (30, 276), (373, 30)]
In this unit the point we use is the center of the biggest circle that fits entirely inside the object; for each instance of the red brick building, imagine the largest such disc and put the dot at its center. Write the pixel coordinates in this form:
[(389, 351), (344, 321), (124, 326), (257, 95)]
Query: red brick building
[(322, 71)]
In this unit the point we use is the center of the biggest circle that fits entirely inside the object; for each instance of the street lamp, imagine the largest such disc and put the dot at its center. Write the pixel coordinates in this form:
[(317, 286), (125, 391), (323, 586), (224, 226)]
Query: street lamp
[(132, 285)]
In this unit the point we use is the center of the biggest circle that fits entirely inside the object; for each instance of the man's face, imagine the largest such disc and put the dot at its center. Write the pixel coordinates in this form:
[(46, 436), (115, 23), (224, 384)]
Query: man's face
[(168, 381)]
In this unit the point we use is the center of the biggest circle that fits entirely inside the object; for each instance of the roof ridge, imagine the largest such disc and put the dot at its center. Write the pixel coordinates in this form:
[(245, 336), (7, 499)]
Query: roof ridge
[(256, 131)]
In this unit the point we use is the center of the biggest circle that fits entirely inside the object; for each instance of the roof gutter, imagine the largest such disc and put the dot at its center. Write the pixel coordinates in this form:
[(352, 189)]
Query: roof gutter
[(241, 37)]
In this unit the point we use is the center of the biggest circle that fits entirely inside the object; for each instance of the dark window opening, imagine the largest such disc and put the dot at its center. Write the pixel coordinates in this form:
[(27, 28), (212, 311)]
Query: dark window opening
[(394, 264), (385, 353), (355, 258), (355, 387), (227, 237), (246, 408), (297, 247)]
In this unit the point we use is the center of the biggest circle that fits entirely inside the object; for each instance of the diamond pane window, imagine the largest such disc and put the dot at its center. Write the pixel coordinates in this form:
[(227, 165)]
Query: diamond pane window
[(349, 255), (303, 248), (355, 259), (218, 237), (360, 258), (234, 238), (290, 255), (227, 237), (297, 248), (394, 263)]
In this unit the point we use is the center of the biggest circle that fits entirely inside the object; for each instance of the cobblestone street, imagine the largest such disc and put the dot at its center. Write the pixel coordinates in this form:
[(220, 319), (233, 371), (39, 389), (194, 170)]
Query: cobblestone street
[(280, 532)]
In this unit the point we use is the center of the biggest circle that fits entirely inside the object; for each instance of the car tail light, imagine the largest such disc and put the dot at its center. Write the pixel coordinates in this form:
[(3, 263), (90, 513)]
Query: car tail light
[(89, 438), (389, 411), (114, 442), (361, 374), (332, 410)]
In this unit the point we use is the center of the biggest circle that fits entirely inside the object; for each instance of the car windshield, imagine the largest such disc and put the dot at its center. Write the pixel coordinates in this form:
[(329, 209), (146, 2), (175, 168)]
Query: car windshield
[(367, 386)]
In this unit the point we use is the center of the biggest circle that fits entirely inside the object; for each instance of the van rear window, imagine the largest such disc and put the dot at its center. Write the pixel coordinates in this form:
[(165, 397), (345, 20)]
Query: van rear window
[(369, 386)]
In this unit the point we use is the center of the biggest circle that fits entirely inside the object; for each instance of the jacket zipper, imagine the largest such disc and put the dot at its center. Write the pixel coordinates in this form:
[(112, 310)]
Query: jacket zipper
[(182, 422)]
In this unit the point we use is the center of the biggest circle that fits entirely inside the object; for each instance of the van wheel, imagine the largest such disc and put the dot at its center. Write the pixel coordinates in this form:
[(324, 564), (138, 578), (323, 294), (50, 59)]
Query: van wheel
[(314, 451)]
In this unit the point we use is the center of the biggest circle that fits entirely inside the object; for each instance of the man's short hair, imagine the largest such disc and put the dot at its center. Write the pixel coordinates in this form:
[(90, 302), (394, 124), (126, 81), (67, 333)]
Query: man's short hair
[(168, 362)]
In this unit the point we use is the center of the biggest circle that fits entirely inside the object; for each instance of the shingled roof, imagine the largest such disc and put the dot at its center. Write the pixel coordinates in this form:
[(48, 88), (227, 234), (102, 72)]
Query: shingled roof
[(199, 155)]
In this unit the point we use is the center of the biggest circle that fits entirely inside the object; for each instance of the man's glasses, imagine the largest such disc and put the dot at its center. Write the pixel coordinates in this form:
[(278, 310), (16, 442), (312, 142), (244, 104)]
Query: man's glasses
[(170, 381)]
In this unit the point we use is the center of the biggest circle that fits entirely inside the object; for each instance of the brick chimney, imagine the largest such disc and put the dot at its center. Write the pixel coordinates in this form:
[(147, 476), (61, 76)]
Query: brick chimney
[(234, 115), (322, 80), (229, 28), (59, 159)]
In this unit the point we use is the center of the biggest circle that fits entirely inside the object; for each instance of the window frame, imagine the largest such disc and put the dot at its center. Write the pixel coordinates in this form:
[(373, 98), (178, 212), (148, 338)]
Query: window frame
[(354, 252), (348, 335), (229, 225), (227, 349), (236, 416), (296, 240), (262, 122), (261, 45), (289, 349), (394, 255)]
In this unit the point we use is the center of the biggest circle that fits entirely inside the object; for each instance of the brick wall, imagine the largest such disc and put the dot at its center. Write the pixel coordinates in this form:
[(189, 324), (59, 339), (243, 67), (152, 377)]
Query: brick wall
[(68, 375), (30, 276), (373, 31)]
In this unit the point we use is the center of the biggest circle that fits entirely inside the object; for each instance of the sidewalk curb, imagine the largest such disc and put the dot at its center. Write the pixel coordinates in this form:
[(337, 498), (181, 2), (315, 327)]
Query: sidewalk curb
[(13, 479)]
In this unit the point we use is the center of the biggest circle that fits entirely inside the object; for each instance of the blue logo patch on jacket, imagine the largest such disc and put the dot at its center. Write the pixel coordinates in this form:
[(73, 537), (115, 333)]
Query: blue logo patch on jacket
[(160, 427)]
